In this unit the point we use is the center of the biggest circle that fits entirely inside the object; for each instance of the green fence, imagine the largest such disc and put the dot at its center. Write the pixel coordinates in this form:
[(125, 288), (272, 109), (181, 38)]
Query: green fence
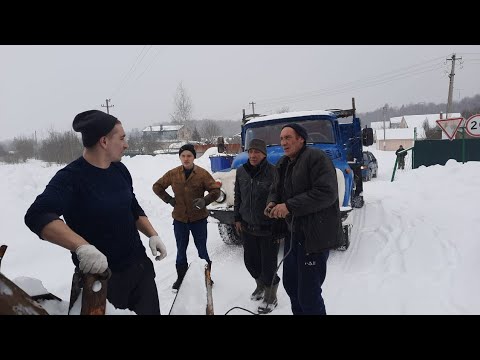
[(433, 152)]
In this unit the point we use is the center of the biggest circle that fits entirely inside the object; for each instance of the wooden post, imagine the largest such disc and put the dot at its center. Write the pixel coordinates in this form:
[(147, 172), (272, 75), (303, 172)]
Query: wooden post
[(208, 284)]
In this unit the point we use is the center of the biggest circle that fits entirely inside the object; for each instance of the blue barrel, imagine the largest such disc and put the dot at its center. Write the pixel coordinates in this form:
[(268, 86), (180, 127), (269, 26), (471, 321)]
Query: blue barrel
[(218, 163)]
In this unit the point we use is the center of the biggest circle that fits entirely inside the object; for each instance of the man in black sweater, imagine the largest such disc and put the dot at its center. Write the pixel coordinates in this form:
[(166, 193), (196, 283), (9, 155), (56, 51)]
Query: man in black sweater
[(305, 194), (94, 194)]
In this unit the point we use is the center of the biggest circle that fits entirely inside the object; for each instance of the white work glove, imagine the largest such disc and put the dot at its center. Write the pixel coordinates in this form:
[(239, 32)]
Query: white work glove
[(91, 259), (155, 244)]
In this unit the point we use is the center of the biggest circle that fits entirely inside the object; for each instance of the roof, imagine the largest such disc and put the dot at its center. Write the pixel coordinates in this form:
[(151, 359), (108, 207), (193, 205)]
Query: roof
[(417, 120), (379, 124), (163, 128), (293, 114), (400, 134)]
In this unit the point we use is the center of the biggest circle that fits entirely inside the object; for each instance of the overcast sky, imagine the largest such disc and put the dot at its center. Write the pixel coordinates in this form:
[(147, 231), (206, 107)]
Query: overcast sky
[(44, 87)]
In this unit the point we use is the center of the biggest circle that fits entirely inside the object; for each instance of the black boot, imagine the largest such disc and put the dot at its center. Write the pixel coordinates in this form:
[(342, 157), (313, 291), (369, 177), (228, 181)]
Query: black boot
[(270, 300), (259, 291), (210, 269), (181, 271)]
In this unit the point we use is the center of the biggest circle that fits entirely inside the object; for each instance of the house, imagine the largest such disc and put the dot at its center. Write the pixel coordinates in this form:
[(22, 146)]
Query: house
[(166, 133), (402, 130)]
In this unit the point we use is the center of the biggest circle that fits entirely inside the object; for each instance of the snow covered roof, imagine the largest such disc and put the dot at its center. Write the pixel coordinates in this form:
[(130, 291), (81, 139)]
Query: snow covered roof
[(417, 120), (163, 128), (379, 124), (400, 134), (289, 115)]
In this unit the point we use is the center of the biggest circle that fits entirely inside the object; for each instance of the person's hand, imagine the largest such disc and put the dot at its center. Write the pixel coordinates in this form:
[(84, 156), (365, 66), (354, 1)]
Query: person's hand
[(155, 244), (199, 203), (172, 201), (238, 227), (92, 261), (269, 207), (280, 211)]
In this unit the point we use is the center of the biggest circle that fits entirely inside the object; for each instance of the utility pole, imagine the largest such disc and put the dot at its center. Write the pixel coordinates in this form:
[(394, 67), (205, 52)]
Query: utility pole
[(450, 87), (253, 108), (108, 106), (384, 131)]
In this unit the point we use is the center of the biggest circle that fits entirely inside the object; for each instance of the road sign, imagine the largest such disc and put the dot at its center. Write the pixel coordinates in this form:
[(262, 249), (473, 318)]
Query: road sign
[(450, 126), (473, 125)]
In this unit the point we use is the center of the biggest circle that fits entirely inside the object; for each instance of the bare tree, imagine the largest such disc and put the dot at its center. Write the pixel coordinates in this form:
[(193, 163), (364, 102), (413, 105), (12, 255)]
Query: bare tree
[(183, 106), (61, 148), (210, 130), (196, 135), (24, 147)]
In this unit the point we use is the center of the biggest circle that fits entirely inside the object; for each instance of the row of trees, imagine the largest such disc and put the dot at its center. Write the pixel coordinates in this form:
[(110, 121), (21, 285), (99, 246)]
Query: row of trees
[(60, 148)]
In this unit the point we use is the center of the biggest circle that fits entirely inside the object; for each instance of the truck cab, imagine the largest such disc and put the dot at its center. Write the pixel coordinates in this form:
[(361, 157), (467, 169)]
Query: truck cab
[(342, 142)]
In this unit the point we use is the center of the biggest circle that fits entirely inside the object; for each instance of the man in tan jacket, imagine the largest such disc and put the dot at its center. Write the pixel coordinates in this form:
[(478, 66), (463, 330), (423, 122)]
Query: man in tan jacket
[(189, 183)]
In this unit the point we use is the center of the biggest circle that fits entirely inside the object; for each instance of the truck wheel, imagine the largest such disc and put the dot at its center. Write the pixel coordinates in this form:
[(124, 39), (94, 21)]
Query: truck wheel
[(229, 235)]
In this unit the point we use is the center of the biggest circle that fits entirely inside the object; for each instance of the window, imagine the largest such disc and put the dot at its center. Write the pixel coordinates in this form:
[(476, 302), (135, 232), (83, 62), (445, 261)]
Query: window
[(319, 131)]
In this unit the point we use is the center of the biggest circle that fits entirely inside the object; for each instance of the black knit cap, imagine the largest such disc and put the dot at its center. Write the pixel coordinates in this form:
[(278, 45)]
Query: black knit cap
[(188, 147), (258, 145), (93, 124), (299, 129)]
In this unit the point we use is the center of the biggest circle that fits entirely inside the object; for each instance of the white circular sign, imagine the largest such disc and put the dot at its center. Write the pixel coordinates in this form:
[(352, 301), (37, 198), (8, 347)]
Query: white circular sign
[(473, 125)]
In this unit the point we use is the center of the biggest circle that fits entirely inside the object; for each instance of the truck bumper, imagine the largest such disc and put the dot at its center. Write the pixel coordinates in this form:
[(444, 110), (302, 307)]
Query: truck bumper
[(223, 216)]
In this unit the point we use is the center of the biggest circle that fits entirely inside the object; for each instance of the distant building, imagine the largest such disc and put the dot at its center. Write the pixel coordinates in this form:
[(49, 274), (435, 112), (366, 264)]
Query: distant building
[(400, 130), (166, 133)]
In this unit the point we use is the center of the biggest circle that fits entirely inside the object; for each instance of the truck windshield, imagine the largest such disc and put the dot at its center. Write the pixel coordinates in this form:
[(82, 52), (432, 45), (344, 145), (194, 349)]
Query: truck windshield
[(319, 131)]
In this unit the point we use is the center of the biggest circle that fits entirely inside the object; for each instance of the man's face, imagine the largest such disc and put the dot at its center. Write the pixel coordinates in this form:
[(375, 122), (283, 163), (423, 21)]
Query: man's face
[(291, 142), (255, 156), (186, 157), (116, 143)]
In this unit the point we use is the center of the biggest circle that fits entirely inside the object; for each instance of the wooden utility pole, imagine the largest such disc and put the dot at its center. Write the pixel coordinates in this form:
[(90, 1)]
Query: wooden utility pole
[(450, 87), (253, 107), (108, 106), (384, 131)]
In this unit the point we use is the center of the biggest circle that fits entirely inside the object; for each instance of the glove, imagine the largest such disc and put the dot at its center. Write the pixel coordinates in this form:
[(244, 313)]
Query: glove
[(91, 259), (155, 244), (199, 203), (172, 201)]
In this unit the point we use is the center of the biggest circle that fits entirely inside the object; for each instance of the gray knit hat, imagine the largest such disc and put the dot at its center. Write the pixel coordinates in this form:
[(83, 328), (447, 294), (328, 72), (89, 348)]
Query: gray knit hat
[(258, 145)]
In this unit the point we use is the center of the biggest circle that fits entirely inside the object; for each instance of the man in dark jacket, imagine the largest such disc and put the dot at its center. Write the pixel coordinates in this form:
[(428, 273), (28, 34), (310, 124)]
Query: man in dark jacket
[(305, 194), (102, 216), (401, 153), (252, 185)]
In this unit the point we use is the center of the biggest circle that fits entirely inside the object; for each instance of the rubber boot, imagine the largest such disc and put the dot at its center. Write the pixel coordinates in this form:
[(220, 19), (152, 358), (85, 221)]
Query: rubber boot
[(210, 269), (259, 291), (270, 300), (181, 271)]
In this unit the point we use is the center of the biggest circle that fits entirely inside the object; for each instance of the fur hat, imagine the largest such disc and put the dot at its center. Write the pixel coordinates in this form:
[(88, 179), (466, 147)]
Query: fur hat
[(258, 145), (299, 129), (93, 124), (188, 147)]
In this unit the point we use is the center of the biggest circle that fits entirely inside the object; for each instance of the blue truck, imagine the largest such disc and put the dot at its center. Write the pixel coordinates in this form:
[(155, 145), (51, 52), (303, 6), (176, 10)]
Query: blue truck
[(337, 132)]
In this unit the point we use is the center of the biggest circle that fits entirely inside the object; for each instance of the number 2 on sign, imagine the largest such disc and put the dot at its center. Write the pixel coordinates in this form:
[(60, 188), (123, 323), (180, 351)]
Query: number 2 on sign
[(473, 126)]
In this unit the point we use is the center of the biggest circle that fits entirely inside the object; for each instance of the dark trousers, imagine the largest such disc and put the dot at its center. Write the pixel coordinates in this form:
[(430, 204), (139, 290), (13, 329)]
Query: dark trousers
[(182, 234), (401, 163), (260, 254), (303, 276), (134, 288)]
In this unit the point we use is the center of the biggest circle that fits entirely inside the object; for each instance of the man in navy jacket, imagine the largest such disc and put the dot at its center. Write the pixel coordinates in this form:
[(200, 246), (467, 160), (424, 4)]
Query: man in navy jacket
[(94, 194)]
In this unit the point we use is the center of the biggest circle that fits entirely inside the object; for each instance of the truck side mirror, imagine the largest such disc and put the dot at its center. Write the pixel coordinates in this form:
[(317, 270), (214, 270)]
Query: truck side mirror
[(367, 136)]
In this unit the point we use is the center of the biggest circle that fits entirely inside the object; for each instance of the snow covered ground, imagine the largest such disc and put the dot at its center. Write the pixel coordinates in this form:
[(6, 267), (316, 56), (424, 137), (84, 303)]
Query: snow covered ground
[(414, 248)]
